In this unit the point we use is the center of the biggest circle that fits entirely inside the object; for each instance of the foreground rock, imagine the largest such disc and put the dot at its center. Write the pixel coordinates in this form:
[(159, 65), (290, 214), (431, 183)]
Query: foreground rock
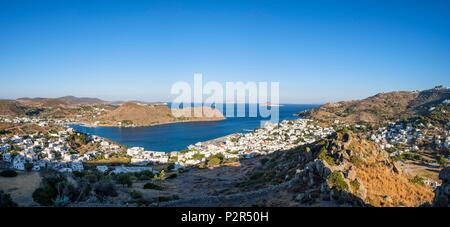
[(442, 197)]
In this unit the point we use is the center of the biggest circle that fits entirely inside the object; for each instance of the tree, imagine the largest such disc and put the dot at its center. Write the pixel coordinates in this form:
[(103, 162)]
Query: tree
[(6, 201), (53, 184), (443, 162), (124, 180), (8, 173), (150, 185), (45, 195), (103, 189)]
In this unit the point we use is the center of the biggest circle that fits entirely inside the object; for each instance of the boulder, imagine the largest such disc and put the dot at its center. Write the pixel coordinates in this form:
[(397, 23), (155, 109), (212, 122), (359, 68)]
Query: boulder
[(396, 168), (350, 174), (444, 175)]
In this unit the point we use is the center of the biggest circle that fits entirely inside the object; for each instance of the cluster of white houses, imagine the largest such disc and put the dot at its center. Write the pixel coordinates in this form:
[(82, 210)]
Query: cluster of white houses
[(49, 150), (33, 120), (398, 138), (262, 141)]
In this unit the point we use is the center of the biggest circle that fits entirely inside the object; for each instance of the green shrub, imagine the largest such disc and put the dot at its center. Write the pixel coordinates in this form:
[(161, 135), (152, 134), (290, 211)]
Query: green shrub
[(355, 185), (126, 122), (6, 200), (198, 156), (45, 195), (201, 165), (104, 189), (4, 132), (124, 179), (135, 194), (356, 160), (407, 156), (8, 173), (78, 174), (144, 175), (167, 198), (418, 180), (443, 161), (323, 155), (345, 130), (152, 186), (214, 161), (52, 182), (230, 160), (336, 179)]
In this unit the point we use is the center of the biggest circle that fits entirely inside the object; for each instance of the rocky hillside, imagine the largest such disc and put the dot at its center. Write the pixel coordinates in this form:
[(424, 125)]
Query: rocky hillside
[(380, 108), (344, 169)]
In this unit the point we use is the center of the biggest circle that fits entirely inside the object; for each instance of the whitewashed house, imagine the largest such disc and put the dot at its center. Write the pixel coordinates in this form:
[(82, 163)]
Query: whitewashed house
[(76, 166), (6, 157), (102, 168), (19, 163)]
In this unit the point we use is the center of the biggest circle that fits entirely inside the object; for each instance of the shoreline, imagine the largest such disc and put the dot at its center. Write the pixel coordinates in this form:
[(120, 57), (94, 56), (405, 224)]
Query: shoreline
[(88, 125)]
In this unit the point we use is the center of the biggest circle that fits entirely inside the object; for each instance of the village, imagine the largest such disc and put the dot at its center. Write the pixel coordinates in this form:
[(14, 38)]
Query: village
[(50, 150), (37, 151), (411, 137), (262, 141)]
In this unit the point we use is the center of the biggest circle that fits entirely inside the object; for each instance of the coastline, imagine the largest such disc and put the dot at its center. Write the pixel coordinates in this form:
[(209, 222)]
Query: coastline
[(88, 125)]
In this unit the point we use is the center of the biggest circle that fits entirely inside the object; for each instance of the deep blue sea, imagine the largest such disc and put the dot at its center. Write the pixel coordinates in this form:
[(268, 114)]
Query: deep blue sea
[(177, 136)]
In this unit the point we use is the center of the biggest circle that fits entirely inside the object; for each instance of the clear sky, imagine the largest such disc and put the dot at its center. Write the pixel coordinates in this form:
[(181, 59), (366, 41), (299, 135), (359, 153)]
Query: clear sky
[(318, 50)]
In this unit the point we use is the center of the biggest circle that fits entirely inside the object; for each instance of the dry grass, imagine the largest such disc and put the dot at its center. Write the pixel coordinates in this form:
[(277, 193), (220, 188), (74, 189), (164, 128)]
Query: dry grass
[(21, 187), (381, 181)]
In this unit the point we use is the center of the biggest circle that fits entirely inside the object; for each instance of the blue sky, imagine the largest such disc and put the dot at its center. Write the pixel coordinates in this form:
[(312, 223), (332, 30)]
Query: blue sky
[(319, 51)]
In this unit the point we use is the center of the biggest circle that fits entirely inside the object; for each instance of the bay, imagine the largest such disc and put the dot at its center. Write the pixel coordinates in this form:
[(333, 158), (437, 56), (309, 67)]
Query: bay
[(177, 136)]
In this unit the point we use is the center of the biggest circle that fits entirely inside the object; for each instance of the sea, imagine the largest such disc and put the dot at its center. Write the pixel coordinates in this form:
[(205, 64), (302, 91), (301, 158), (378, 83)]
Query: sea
[(178, 136)]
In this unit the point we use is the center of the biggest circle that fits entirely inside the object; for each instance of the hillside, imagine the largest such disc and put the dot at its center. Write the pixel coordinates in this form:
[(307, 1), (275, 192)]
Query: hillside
[(72, 100), (341, 170), (343, 166), (11, 108), (98, 112), (138, 114), (380, 108), (65, 101)]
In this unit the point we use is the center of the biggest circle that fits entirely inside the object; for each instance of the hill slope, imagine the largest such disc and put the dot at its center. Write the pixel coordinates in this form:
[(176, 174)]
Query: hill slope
[(137, 114), (11, 108), (380, 108), (343, 167)]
